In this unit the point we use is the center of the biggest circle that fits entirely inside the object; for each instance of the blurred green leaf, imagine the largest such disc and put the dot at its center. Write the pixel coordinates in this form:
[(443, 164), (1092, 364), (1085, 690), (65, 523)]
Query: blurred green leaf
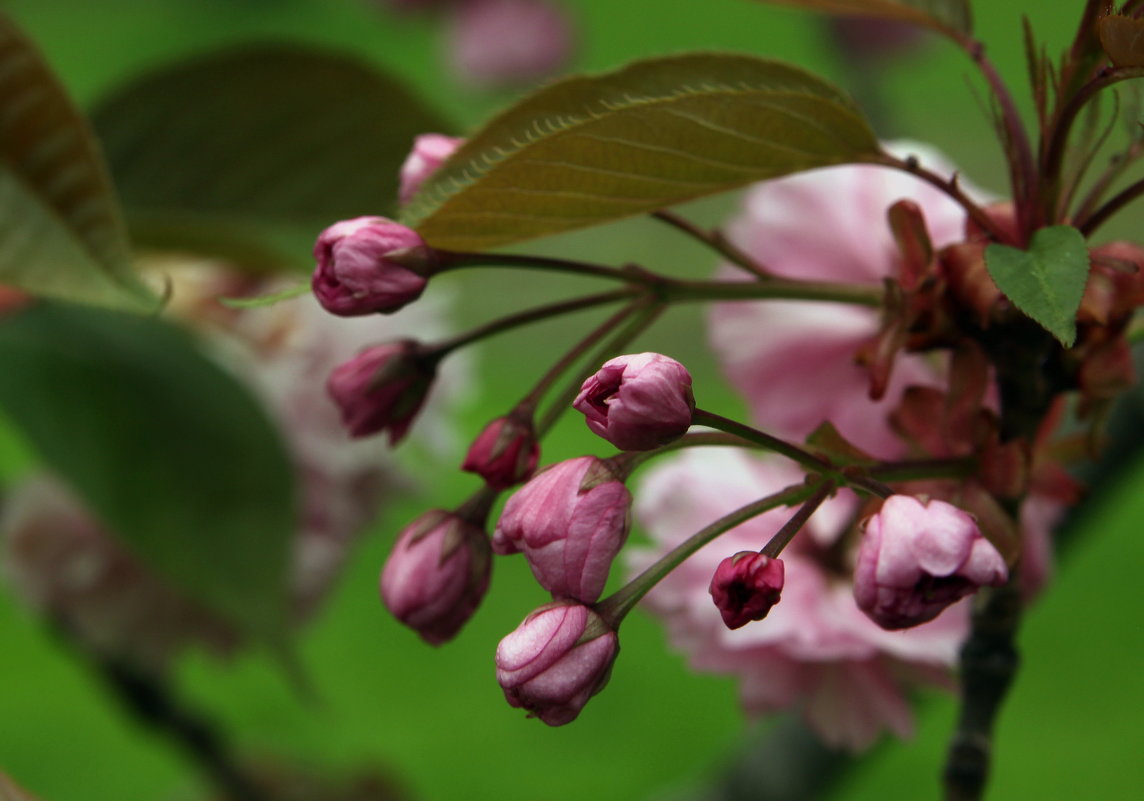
[(1046, 281), (249, 152), (947, 16), (587, 150), (171, 453), (60, 229)]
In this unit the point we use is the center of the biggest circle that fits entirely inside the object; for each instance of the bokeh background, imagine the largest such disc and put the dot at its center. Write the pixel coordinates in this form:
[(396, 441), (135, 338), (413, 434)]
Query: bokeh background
[(435, 720)]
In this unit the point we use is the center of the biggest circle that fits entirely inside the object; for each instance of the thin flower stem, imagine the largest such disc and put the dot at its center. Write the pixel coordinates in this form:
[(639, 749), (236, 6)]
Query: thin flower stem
[(640, 319), (808, 460), (529, 402), (856, 478), (950, 187), (1115, 168), (453, 260), (1055, 151), (1111, 207), (782, 538), (439, 350), (674, 290), (1023, 175), (715, 240), (922, 469), (615, 607)]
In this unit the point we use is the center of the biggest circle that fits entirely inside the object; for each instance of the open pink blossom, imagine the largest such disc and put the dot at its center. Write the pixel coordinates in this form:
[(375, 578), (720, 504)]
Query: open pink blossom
[(795, 362), (918, 558), (556, 660), (815, 652), (570, 521)]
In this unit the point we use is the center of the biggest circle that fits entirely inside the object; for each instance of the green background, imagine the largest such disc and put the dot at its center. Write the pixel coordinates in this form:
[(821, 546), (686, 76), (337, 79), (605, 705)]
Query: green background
[(435, 719)]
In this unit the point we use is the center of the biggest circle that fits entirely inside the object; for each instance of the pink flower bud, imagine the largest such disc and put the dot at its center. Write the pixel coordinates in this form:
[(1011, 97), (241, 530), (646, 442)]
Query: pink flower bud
[(437, 574), (558, 658), (916, 559), (505, 453), (638, 402), (429, 152), (381, 388), (368, 265), (570, 521), (745, 587)]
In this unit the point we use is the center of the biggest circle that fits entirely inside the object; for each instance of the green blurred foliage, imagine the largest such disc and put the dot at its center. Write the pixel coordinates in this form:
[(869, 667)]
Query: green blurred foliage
[(436, 717)]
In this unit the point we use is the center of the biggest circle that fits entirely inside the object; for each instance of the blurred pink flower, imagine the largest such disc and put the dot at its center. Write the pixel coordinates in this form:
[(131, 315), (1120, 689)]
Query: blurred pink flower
[(502, 42), (429, 152), (815, 652), (826, 225), (61, 561)]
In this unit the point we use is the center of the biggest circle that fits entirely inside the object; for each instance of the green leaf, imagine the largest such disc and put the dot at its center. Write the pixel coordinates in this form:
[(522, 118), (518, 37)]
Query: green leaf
[(249, 152), (169, 451), (588, 150), (950, 17), (1047, 281), (290, 292), (60, 230)]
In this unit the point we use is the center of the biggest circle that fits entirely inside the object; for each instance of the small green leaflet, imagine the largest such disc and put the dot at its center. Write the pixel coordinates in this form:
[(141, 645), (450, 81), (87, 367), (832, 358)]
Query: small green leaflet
[(589, 150), (951, 17), (1046, 281)]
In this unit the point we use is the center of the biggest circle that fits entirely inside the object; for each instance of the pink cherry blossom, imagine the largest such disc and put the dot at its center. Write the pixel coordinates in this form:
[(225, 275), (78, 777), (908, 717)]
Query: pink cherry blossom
[(815, 652), (827, 225)]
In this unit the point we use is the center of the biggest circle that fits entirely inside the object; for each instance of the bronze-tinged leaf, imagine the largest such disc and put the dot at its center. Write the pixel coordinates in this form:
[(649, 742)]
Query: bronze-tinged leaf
[(1123, 40), (247, 153), (588, 150), (951, 17), (61, 234)]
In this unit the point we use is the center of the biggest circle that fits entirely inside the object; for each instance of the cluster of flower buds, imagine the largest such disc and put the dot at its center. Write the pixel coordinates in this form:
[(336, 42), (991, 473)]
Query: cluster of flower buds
[(571, 519)]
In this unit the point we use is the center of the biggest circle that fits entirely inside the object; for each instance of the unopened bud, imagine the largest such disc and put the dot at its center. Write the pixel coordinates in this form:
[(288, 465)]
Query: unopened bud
[(570, 523), (745, 587), (505, 453), (369, 265), (437, 574), (382, 389), (638, 402), (557, 659)]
